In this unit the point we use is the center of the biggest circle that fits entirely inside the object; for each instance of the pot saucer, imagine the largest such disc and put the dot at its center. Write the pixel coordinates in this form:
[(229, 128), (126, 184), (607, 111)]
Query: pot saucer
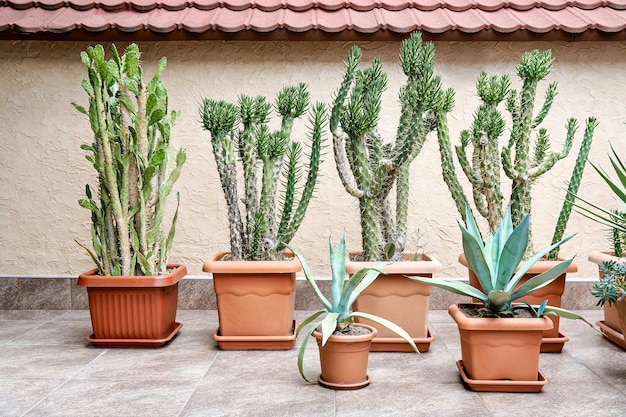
[(256, 342), (501, 385), (134, 343), (611, 334), (553, 344), (398, 344), (342, 386)]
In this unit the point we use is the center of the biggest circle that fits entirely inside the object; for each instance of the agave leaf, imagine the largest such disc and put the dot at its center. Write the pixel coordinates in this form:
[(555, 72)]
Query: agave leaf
[(357, 284), (513, 252), (329, 325), (529, 263), (309, 277), (595, 216), (388, 324), (456, 287), (337, 268), (308, 320), (541, 280), (301, 351), (615, 186), (474, 255)]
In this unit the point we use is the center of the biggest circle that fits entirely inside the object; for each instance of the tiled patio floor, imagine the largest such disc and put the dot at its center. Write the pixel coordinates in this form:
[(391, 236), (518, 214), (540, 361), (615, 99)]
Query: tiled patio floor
[(47, 368)]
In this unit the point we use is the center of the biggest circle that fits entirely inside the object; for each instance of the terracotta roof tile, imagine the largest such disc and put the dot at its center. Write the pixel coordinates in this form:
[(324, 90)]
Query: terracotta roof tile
[(313, 19)]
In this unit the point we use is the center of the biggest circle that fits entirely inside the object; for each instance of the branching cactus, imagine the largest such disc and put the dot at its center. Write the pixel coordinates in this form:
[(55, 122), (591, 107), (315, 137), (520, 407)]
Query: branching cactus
[(522, 163), (241, 133), (131, 153), (370, 167)]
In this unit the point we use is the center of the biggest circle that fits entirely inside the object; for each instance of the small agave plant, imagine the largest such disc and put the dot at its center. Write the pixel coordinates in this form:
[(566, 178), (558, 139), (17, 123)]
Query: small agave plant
[(343, 294), (495, 262)]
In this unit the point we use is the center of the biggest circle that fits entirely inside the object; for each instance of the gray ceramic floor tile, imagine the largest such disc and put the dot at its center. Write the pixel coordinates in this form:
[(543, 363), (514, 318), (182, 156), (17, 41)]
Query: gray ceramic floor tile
[(103, 398), (13, 329), (416, 400), (264, 397), (18, 395), (57, 332), (44, 361), (170, 362), (33, 315), (559, 400)]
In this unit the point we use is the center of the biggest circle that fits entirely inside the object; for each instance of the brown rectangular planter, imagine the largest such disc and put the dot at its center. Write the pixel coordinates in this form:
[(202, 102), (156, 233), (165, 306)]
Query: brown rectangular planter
[(133, 311), (255, 302), (395, 297), (553, 340), (501, 350)]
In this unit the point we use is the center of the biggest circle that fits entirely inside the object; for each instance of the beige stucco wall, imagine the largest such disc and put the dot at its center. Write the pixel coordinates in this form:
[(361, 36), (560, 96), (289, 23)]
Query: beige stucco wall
[(43, 171)]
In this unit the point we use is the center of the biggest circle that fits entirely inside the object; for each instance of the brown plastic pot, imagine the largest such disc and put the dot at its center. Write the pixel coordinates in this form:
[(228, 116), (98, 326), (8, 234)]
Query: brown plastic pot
[(133, 311), (255, 302), (611, 317), (553, 340), (343, 359), (395, 297), (500, 348), (612, 326)]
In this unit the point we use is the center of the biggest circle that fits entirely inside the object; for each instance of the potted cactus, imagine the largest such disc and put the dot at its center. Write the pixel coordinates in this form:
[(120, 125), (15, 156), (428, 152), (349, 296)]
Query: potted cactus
[(610, 263), (133, 291), (501, 335), (482, 158), (370, 168), (343, 344), (255, 282)]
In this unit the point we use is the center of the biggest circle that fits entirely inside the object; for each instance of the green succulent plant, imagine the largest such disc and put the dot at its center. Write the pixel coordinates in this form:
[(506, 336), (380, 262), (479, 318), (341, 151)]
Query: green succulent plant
[(338, 309), (241, 132), (495, 263), (611, 287), (369, 166), (482, 157), (131, 152)]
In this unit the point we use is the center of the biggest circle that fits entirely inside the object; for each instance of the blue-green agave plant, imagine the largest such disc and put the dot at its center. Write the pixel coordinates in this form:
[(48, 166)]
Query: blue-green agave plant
[(338, 309), (495, 262)]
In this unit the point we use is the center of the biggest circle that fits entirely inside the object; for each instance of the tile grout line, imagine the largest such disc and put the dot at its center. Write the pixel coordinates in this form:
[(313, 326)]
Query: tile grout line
[(68, 379), (195, 388)]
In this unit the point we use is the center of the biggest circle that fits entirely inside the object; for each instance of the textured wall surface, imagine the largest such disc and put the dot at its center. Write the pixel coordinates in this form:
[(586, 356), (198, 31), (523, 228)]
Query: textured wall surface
[(43, 172)]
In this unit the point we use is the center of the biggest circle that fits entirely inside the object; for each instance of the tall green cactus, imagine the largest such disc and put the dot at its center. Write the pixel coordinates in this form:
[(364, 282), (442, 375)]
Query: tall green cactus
[(521, 164), (241, 132), (131, 154), (370, 167)]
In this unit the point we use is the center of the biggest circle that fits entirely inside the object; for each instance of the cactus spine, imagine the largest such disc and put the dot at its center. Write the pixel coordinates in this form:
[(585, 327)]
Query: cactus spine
[(131, 154), (241, 132), (521, 164), (369, 167)]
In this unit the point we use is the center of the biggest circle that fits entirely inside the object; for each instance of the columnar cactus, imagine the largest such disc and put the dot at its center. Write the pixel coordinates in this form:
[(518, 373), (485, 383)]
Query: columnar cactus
[(368, 166), (131, 154), (521, 164), (241, 132)]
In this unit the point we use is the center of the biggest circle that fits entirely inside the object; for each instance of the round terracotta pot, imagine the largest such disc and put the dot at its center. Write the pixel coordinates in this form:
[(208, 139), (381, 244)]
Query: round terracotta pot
[(344, 359)]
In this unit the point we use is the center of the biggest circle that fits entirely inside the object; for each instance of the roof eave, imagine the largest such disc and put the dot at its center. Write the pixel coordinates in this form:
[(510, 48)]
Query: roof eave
[(311, 35)]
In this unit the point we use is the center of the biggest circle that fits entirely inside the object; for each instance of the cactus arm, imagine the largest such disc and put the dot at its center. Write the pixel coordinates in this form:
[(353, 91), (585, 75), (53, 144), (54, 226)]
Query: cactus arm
[(574, 184), (219, 118), (343, 166), (448, 170), (289, 228), (547, 105)]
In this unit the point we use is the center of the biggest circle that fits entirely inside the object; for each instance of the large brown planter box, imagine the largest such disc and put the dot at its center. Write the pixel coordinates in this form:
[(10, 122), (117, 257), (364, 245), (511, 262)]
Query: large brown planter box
[(133, 311)]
